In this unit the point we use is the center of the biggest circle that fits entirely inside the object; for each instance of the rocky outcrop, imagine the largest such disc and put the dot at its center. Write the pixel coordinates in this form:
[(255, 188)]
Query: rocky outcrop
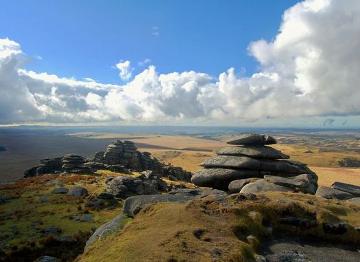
[(250, 166), (121, 156), (126, 186)]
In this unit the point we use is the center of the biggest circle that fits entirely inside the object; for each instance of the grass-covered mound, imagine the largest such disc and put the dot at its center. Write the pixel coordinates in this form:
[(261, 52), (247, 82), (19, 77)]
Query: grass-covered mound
[(231, 229)]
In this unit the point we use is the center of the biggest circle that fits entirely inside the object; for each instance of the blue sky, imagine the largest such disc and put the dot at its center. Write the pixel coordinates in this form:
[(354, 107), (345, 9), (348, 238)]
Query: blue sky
[(243, 63), (87, 38)]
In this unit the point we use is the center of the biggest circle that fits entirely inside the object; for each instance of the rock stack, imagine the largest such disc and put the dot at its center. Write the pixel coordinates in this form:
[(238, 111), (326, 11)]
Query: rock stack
[(122, 153), (121, 156), (73, 163), (250, 166)]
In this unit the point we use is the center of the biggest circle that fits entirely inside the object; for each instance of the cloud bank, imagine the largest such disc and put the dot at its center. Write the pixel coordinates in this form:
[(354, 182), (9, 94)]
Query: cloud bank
[(310, 68)]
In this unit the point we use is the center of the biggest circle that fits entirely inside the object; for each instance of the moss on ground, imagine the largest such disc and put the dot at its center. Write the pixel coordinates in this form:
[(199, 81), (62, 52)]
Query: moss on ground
[(33, 209)]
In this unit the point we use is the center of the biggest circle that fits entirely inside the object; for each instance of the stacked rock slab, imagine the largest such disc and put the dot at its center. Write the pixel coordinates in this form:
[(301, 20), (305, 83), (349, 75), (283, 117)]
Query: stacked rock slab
[(123, 153), (251, 166), (73, 163)]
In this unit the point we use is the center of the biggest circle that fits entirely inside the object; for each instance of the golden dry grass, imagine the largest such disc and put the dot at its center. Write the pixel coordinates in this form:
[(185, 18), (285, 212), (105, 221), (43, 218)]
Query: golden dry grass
[(165, 231)]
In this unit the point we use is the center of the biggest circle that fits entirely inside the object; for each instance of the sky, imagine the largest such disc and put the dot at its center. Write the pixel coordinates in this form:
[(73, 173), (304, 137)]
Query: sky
[(266, 63)]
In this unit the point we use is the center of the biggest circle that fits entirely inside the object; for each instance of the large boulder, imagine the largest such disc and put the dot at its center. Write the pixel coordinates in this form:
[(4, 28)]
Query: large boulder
[(262, 185), (243, 162), (352, 189), (331, 193), (133, 205), (106, 229), (253, 140), (220, 177), (255, 152)]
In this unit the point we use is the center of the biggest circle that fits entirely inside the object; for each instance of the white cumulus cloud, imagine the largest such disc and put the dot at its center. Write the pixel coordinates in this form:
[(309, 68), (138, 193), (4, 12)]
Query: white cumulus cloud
[(310, 68), (125, 70)]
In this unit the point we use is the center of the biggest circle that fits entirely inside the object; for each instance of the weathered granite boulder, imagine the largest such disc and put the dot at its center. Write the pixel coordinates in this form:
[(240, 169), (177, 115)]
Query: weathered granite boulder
[(262, 185), (306, 183), (331, 193), (243, 162), (236, 185), (133, 205), (255, 152), (107, 229), (352, 189), (253, 140), (220, 178), (47, 166)]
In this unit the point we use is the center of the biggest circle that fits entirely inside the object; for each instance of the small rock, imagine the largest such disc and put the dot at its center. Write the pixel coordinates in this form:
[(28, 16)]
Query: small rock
[(78, 191), (47, 259), (60, 190), (288, 256), (335, 229), (52, 230)]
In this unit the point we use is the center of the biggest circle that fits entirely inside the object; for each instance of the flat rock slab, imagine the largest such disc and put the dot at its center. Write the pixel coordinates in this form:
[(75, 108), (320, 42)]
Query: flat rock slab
[(252, 140), (261, 185), (331, 193), (306, 183), (305, 251), (134, 204), (236, 185), (352, 189), (220, 178), (264, 152), (243, 162)]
